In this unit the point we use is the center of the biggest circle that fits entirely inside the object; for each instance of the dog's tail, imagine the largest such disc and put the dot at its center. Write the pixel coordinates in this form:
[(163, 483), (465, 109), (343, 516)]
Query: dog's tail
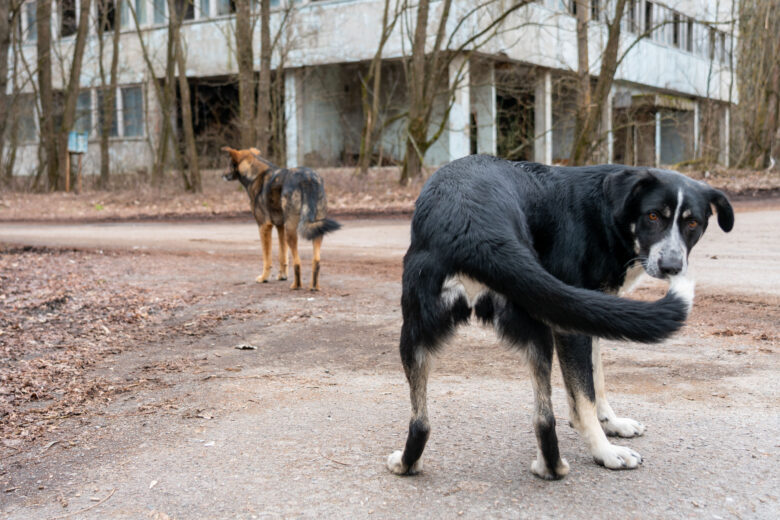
[(518, 275), (314, 206), (316, 228)]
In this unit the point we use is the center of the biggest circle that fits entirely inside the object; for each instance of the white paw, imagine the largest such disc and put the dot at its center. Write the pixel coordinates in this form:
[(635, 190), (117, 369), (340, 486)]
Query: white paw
[(622, 427), (395, 464), (617, 457), (539, 468)]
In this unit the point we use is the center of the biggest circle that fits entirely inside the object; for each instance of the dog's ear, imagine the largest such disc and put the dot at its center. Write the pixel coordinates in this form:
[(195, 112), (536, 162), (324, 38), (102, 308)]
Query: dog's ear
[(723, 208), (235, 155), (622, 188)]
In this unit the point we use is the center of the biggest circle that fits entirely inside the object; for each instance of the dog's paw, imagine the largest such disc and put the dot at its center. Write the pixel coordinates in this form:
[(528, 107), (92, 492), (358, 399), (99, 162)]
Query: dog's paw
[(396, 465), (622, 427), (539, 468), (263, 278), (282, 277), (617, 457)]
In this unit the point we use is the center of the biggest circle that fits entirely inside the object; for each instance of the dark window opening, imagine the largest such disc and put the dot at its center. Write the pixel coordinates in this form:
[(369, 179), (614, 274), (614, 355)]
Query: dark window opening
[(676, 29), (689, 39), (595, 10), (648, 16), (106, 15), (226, 7), (68, 24), (185, 9)]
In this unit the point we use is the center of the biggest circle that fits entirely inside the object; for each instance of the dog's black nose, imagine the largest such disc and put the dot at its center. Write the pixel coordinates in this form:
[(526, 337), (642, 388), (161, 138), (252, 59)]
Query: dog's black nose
[(671, 265)]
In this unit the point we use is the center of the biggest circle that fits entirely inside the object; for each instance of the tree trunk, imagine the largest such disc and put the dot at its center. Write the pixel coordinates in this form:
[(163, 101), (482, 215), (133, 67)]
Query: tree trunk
[(6, 18), (246, 73), (48, 140), (264, 85), (416, 128), (590, 106), (186, 107), (108, 89), (371, 110), (72, 90)]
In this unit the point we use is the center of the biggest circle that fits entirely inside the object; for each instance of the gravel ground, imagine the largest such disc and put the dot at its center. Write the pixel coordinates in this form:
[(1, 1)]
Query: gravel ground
[(301, 426)]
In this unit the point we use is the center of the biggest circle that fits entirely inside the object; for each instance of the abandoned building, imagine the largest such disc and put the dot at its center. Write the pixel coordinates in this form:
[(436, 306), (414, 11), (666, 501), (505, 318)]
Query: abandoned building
[(515, 95)]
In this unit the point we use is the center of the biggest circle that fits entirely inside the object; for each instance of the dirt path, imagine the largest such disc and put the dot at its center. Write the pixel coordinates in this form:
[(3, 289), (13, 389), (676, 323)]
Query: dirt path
[(301, 426)]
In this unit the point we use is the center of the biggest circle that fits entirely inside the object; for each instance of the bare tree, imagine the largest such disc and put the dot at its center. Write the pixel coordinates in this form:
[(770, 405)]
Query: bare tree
[(48, 140), (428, 66), (758, 73), (193, 182), (9, 11), (263, 124), (590, 103), (108, 85), (370, 96), (246, 73)]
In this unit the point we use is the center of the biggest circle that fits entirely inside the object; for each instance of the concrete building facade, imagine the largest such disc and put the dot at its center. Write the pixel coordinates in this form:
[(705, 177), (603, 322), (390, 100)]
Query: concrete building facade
[(514, 94)]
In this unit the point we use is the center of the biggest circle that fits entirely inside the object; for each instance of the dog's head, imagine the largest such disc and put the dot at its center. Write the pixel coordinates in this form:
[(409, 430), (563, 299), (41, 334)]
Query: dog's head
[(243, 163), (665, 213)]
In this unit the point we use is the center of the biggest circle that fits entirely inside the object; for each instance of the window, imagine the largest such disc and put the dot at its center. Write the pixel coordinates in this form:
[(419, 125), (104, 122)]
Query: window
[(226, 7), (130, 6), (67, 18), (185, 9), (629, 18), (159, 11), (106, 10), (649, 16), (205, 9), (28, 130), (722, 50), (689, 36), (83, 121), (32, 29), (595, 10), (101, 117), (676, 30), (132, 112)]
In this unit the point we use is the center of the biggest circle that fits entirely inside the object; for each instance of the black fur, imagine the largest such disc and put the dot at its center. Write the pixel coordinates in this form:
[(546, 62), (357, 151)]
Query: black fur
[(549, 244)]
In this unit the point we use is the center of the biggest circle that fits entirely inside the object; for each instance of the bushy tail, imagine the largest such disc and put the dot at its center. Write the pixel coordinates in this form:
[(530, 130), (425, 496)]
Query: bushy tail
[(521, 278), (316, 228)]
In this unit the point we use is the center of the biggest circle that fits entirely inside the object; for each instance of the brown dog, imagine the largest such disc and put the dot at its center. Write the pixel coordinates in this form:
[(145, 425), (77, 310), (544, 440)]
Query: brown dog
[(292, 200)]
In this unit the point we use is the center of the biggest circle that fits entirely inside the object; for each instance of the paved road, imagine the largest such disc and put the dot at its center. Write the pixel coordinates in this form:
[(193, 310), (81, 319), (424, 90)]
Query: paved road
[(748, 258), (301, 427)]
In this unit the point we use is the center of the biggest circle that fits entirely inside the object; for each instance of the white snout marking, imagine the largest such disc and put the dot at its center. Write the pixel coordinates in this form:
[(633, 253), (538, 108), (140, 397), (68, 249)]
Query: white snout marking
[(671, 244)]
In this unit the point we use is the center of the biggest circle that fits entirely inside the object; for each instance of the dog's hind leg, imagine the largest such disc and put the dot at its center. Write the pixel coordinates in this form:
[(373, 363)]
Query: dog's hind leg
[(292, 241), (315, 264), (416, 360), (612, 424), (548, 464), (266, 237), (574, 355), (282, 253)]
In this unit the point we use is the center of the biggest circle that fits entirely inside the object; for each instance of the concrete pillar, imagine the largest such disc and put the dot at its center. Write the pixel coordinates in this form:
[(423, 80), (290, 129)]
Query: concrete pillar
[(292, 115), (696, 115), (543, 149), (725, 137), (460, 113), (483, 97), (657, 138), (606, 125)]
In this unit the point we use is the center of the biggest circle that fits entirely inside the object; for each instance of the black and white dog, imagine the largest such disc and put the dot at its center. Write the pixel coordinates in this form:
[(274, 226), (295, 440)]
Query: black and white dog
[(540, 252)]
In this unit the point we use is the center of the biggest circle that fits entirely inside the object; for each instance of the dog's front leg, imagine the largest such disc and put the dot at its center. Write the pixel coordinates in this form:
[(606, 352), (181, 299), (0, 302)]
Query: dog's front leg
[(612, 424), (575, 357), (266, 231), (282, 253)]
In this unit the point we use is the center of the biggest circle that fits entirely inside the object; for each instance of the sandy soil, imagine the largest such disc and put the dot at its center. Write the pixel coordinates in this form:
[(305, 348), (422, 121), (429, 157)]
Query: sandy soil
[(148, 410)]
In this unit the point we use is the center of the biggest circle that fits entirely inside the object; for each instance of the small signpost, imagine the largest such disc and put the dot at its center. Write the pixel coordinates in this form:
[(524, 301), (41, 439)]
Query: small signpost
[(77, 145)]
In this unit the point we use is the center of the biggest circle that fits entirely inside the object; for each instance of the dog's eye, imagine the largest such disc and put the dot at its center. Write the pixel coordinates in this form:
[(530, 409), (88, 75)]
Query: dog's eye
[(653, 216), (692, 224)]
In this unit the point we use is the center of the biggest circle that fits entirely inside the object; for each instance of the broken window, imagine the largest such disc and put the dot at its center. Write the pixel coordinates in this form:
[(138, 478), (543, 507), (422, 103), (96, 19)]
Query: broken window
[(83, 121), (101, 116), (226, 7), (32, 29), (67, 18), (185, 10), (159, 11), (132, 112), (106, 14)]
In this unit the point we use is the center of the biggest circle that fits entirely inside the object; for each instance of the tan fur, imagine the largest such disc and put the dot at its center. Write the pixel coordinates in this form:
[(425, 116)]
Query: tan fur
[(271, 209)]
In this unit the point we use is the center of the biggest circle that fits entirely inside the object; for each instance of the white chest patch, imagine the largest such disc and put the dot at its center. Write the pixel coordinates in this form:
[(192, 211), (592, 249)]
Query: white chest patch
[(461, 285)]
